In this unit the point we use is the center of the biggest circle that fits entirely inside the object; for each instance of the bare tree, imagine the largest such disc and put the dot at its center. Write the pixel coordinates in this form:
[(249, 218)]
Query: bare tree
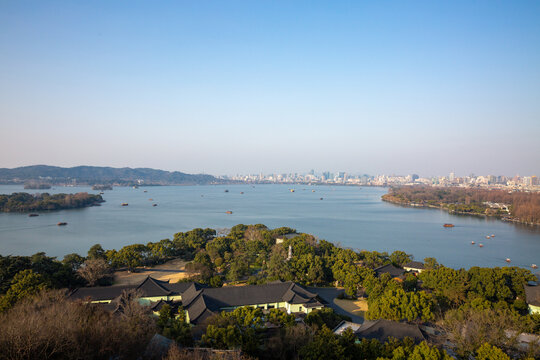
[(52, 327), (93, 270)]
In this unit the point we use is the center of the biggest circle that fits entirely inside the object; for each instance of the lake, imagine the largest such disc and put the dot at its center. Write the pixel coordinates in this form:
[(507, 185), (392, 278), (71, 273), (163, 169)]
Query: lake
[(353, 217)]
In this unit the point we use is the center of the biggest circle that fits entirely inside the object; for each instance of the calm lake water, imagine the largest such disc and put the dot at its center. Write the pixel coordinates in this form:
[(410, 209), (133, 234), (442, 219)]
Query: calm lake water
[(354, 217)]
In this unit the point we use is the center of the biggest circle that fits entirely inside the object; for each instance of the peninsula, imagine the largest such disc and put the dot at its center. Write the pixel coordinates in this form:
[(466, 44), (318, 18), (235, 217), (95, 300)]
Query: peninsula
[(516, 206)]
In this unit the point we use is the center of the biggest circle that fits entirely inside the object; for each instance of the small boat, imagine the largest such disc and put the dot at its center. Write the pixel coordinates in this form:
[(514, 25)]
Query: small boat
[(154, 204), (32, 215), (481, 245), (507, 260), (320, 198), (228, 212), (492, 235), (62, 224), (226, 190), (488, 237), (135, 187), (241, 192), (472, 242), (292, 190), (150, 199), (448, 225), (312, 190), (534, 266), (125, 204), (145, 191)]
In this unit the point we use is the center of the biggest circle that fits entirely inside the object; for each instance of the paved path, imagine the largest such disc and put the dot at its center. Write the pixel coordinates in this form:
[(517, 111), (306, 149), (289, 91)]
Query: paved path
[(328, 295)]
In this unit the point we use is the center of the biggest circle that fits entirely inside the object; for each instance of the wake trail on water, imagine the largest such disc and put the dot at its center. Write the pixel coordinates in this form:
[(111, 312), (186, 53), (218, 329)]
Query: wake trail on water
[(26, 228)]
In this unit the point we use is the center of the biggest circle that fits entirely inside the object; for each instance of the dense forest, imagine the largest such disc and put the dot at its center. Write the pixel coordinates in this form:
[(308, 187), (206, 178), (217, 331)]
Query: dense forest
[(24, 202), (523, 206), (474, 307), (91, 175)]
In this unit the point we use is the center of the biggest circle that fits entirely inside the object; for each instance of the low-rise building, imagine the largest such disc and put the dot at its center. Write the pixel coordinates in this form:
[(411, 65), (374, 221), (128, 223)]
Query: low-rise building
[(288, 296), (414, 266), (200, 302), (394, 271), (532, 296), (382, 330)]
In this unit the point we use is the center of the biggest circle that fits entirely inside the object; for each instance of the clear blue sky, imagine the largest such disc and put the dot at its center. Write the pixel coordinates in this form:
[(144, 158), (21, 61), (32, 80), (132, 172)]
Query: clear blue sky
[(227, 87)]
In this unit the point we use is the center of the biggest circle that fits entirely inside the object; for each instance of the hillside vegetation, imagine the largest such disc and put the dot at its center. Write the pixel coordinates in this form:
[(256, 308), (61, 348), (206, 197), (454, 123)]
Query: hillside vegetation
[(100, 175)]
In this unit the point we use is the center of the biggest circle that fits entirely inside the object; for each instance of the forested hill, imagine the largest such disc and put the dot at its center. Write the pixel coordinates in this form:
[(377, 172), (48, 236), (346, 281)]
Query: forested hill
[(98, 175)]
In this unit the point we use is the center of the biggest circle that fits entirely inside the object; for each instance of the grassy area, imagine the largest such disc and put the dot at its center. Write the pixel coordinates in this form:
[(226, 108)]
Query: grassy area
[(355, 307), (172, 270)]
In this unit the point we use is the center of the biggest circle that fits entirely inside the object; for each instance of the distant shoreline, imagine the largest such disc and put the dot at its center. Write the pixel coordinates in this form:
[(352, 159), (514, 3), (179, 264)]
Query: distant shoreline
[(393, 200)]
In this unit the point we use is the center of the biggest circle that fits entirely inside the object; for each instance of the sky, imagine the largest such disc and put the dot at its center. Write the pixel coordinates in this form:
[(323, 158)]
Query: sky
[(229, 87)]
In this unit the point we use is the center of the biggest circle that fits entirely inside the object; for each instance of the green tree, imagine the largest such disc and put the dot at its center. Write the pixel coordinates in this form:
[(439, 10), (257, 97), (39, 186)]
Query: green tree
[(73, 261), (174, 327), (325, 345), (399, 305), (488, 352), (431, 263), (400, 258), (324, 317), (96, 252), (25, 284), (132, 256)]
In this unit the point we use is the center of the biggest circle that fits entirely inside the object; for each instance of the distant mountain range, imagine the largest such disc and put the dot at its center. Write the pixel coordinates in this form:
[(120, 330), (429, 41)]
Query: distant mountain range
[(101, 175)]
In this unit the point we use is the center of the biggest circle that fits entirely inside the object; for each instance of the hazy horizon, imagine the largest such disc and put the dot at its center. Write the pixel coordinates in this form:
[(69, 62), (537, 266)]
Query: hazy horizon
[(274, 87)]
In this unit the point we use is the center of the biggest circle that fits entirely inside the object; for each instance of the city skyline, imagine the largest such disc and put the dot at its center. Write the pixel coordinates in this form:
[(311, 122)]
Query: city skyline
[(242, 87)]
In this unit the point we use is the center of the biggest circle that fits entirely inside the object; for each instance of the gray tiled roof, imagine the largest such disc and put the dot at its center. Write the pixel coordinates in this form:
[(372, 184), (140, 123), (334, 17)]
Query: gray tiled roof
[(390, 269), (415, 265), (383, 329), (149, 287), (99, 293), (532, 294), (197, 302)]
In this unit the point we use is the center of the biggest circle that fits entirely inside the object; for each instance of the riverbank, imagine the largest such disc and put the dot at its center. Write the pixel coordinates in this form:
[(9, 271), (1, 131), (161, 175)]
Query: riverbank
[(484, 211)]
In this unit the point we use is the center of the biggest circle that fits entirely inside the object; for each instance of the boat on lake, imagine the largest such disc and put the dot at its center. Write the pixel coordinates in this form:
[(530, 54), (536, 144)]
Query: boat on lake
[(481, 245), (154, 204), (472, 243), (62, 224), (448, 225), (228, 212), (125, 204), (507, 260), (488, 237), (226, 190), (32, 215), (534, 266)]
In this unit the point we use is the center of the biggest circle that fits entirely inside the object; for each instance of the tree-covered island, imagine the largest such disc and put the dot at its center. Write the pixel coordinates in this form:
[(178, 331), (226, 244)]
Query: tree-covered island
[(517, 206), (25, 202), (474, 314)]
